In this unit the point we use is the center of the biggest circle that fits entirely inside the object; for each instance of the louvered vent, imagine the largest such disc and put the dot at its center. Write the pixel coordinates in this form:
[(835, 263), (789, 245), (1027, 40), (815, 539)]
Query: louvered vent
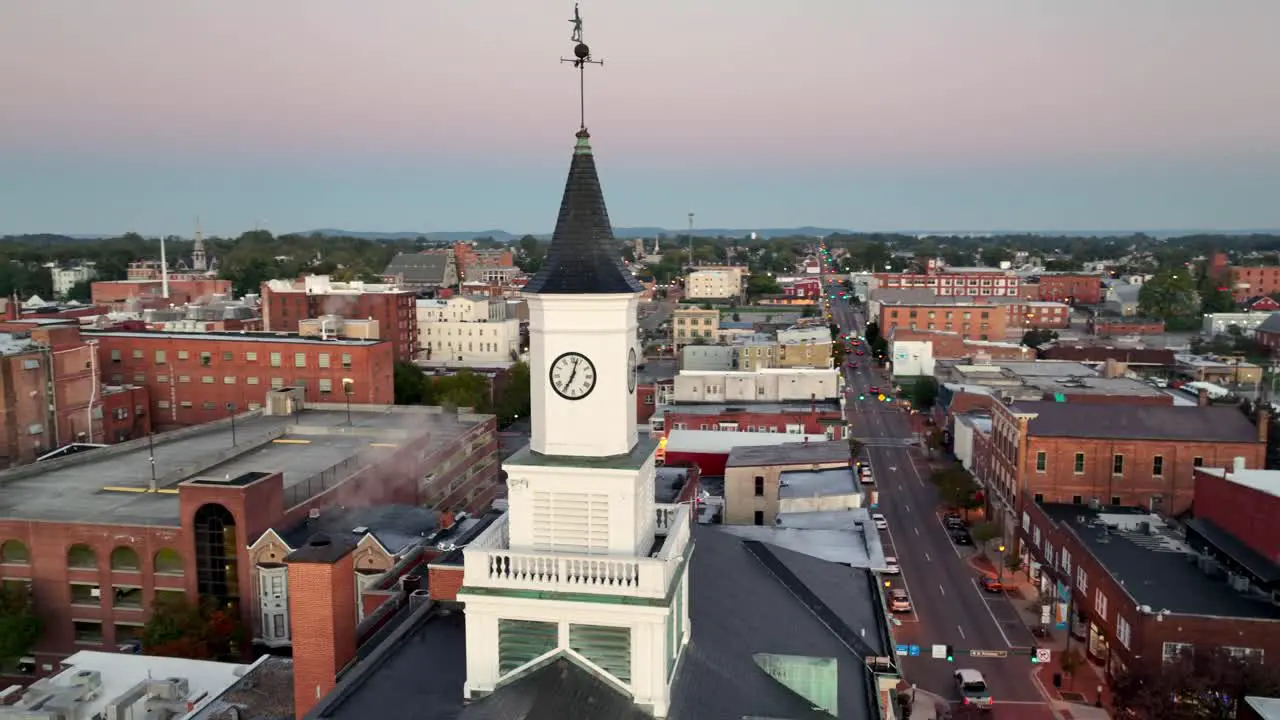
[(571, 522), (607, 647), (522, 641)]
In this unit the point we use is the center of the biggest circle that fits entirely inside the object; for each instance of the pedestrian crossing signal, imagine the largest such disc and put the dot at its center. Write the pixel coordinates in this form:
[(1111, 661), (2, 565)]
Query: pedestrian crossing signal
[(951, 653)]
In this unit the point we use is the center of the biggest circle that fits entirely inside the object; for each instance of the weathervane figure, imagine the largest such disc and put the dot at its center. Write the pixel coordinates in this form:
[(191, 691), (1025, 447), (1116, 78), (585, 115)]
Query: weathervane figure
[(581, 59)]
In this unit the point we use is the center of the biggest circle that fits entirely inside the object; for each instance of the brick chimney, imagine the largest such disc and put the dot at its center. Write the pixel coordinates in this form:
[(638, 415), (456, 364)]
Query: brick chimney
[(322, 616), (1264, 424), (1202, 397)]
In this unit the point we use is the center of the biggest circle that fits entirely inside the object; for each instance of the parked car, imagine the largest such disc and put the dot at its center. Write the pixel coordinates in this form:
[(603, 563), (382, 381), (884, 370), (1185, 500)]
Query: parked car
[(891, 566), (881, 523), (992, 585), (973, 689), (954, 522), (899, 602), (874, 389), (961, 537)]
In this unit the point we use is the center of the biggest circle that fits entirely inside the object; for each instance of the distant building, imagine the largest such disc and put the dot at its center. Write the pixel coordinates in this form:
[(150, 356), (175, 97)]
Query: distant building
[(286, 303), (1244, 281), (137, 295), (760, 481), (694, 325), (767, 385), (467, 329), (66, 278), (716, 283), (427, 270), (955, 281), (1070, 288)]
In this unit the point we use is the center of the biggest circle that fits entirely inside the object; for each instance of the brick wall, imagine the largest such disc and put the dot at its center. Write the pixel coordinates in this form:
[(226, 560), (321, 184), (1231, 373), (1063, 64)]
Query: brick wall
[(444, 581), (322, 620), (1248, 514), (814, 423), (1075, 289)]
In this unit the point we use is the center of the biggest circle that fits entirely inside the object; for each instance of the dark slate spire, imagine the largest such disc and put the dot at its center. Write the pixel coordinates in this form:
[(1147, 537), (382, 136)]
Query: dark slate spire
[(584, 257)]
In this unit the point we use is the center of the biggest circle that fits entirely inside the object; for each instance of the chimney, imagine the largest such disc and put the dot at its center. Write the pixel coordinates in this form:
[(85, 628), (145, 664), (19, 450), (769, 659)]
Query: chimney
[(813, 402), (1237, 465), (322, 616), (1202, 397), (1264, 424)]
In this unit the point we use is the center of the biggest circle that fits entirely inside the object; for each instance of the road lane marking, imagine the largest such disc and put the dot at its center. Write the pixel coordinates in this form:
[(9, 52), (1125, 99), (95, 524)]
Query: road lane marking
[(994, 619), (954, 547), (961, 629), (908, 507), (917, 531), (943, 590), (926, 558), (902, 573)]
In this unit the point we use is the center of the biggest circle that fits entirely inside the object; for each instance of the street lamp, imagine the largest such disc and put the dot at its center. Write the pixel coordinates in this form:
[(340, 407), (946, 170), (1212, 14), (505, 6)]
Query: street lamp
[(1000, 570), (348, 387), (231, 410)]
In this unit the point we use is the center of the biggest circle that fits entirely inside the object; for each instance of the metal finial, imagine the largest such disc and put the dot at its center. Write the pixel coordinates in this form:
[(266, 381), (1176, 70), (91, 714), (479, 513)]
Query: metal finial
[(581, 59)]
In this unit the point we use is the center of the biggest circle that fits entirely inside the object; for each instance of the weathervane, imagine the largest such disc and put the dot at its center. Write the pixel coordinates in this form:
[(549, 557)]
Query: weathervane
[(581, 59)]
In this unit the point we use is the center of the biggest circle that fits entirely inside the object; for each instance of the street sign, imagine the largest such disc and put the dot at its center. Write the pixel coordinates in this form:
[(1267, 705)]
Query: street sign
[(913, 650), (939, 652), (900, 649), (1043, 655), (989, 653)]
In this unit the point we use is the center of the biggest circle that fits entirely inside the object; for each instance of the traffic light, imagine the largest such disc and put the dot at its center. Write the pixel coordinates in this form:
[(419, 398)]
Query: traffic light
[(861, 396), (951, 653)]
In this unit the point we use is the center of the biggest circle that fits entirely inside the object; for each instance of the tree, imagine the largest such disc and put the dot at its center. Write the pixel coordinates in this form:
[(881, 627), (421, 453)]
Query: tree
[(515, 400), (880, 348), (924, 393), (1170, 295), (758, 285), (465, 388), (984, 533), (19, 625), (180, 628), (872, 331), (957, 488), (81, 291), (1207, 683), (855, 447), (1035, 337), (412, 386)]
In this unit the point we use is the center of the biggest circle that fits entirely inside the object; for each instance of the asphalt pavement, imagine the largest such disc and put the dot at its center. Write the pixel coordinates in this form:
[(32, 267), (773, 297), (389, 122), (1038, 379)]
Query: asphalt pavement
[(950, 606)]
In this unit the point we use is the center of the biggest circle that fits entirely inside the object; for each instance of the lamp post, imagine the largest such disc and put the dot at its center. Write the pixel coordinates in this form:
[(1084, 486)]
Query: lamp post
[(1000, 570), (231, 410), (348, 386)]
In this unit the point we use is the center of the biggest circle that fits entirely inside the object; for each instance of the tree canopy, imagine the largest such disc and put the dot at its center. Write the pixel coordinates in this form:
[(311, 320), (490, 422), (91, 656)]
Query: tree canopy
[(180, 628), (1202, 685), (19, 625), (465, 388), (1170, 295)]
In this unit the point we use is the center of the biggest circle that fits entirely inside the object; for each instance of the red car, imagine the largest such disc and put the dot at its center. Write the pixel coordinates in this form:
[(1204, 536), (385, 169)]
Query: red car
[(991, 584), (861, 353), (875, 389)]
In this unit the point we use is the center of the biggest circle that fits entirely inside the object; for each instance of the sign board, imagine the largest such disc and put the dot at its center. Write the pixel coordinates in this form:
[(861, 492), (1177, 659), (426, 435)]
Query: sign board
[(1046, 614), (913, 650), (900, 649), (939, 652), (1043, 655), (989, 653)]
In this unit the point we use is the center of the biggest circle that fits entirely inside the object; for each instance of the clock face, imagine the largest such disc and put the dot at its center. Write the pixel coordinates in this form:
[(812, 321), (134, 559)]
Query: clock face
[(631, 370), (573, 376)]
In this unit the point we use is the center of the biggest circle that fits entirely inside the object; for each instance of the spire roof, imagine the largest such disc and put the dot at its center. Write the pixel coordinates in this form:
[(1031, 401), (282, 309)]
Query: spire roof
[(584, 257)]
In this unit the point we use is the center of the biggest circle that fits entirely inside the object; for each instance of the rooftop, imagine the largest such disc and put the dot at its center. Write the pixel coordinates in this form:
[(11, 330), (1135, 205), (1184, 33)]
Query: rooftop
[(395, 527), (1264, 481), (792, 453), (1136, 422), (1154, 567), (723, 441), (261, 337), (815, 483), (668, 483), (745, 598), (1267, 708), (761, 371), (1209, 361), (846, 537), (1099, 353), (784, 408), (110, 485)]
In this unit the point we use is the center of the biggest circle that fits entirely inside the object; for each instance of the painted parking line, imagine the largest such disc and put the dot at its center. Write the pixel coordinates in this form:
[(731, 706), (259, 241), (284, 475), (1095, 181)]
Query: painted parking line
[(995, 620), (902, 576)]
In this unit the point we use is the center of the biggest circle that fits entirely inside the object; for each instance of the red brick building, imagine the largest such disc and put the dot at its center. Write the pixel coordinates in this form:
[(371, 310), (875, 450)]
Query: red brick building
[(192, 378), (1116, 453), (1235, 519), (964, 282), (100, 536), (970, 321), (1096, 355), (1070, 288), (1244, 282), (467, 256), (951, 346), (119, 295), (286, 302), (807, 288), (1138, 594), (816, 418), (1110, 326)]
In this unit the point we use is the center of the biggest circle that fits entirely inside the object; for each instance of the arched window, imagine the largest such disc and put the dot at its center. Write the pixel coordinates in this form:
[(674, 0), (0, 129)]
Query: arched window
[(13, 552), (126, 559), (216, 553), (168, 562), (82, 557)]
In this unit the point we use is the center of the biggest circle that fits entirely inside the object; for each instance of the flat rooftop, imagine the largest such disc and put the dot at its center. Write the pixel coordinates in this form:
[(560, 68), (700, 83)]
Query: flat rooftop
[(111, 485), (120, 672), (847, 537), (791, 453), (724, 441), (814, 483), (1154, 568), (765, 407), (1264, 481), (1095, 386), (249, 337)]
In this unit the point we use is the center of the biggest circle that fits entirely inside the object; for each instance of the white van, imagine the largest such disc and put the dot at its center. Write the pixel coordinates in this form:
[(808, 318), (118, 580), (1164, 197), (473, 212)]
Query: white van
[(864, 474)]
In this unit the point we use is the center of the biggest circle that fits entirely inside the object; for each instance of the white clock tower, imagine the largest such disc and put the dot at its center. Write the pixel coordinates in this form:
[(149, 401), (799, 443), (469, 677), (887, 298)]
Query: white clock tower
[(584, 564)]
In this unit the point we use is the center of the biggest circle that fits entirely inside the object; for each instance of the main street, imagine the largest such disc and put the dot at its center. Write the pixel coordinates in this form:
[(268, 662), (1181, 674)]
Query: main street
[(950, 606)]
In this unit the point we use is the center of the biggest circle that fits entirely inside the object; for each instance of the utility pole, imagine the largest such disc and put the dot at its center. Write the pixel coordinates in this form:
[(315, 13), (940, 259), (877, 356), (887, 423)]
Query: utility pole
[(690, 241)]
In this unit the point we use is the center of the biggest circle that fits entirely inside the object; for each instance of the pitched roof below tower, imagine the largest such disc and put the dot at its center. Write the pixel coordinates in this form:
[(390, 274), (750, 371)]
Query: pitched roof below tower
[(584, 257)]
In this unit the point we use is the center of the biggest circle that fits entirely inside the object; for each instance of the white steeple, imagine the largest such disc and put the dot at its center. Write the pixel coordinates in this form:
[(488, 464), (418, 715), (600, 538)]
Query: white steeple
[(199, 262)]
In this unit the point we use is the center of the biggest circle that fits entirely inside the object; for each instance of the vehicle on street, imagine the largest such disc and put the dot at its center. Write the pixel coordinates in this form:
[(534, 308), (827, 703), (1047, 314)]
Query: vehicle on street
[(961, 537), (899, 601), (973, 689), (891, 566), (874, 389), (992, 585), (953, 522), (859, 352), (878, 519)]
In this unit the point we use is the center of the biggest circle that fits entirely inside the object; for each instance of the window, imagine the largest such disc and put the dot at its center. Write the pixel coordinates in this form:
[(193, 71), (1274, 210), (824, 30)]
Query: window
[(88, 632), (206, 359), (1039, 498), (1115, 499), (137, 354), (1064, 559), (125, 559), (277, 383), (251, 380), (229, 380), (1124, 633), (1100, 604), (326, 386), (275, 359), (1076, 499), (167, 561), (184, 378), (609, 648), (162, 378), (1079, 466), (1082, 579), (184, 403), (160, 358), (13, 552), (346, 361), (207, 379), (162, 404), (1197, 462), (227, 355), (1117, 465), (126, 597), (759, 517), (82, 557), (759, 486), (300, 360), (1042, 461), (183, 355), (1244, 653), (520, 642), (251, 357), (85, 594), (1157, 465), (115, 356), (322, 360), (1172, 651)]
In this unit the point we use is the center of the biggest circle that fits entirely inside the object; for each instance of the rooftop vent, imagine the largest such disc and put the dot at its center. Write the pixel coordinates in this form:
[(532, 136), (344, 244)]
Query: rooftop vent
[(359, 530)]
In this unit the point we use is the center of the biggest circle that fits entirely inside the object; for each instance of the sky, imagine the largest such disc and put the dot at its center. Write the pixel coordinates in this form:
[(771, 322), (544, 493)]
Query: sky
[(435, 115)]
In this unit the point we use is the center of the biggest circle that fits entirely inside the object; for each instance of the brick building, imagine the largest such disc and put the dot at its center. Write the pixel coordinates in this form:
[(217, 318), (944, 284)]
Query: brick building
[(1113, 325), (1136, 592), (964, 282), (286, 302), (1116, 453), (467, 257), (1133, 358), (99, 536), (709, 449), (1070, 288), (122, 295), (193, 378), (944, 345), (1235, 522), (1244, 282), (813, 418), (970, 321)]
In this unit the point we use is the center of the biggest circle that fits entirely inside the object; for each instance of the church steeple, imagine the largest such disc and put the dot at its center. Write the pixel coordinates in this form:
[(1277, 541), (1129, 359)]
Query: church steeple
[(584, 257)]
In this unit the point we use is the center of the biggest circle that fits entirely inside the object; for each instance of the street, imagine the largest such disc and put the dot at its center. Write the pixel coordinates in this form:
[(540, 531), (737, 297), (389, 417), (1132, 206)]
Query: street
[(950, 606)]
